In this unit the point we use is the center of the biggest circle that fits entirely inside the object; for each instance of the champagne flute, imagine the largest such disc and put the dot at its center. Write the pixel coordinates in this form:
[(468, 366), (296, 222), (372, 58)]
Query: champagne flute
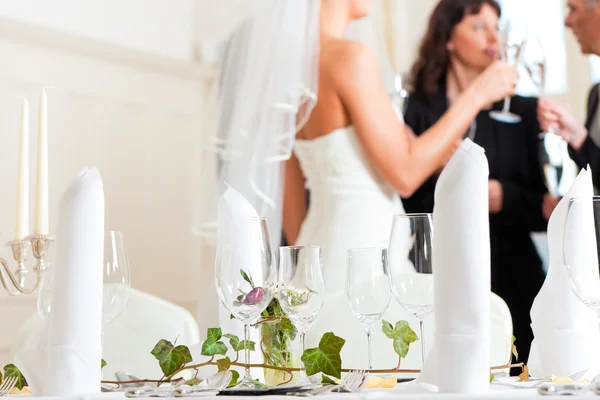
[(301, 288), (512, 42), (411, 267), (244, 270), (536, 65), (368, 289)]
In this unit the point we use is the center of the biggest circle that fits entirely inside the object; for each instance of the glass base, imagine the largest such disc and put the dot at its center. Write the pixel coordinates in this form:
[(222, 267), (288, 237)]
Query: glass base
[(248, 384), (506, 117)]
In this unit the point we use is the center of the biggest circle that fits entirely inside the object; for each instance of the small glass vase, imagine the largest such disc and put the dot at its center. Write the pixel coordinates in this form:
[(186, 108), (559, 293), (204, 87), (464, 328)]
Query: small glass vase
[(280, 349)]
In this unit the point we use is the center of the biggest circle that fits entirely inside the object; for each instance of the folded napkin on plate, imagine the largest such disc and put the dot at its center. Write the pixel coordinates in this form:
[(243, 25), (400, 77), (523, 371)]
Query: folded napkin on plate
[(566, 336), (460, 358), (65, 360)]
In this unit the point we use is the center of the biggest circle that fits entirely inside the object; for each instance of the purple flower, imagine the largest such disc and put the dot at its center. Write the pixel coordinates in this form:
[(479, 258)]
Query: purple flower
[(255, 296)]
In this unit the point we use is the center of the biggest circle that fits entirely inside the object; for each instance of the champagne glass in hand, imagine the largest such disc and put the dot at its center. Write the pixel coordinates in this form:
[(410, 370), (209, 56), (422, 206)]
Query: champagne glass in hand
[(536, 65), (512, 41)]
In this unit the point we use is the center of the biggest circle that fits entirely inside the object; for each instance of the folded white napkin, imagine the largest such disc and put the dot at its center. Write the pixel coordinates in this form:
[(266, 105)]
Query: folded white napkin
[(70, 350), (460, 358), (566, 334)]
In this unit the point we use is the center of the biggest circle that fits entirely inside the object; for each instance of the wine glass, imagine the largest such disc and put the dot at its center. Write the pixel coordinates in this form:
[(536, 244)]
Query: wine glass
[(301, 288), (512, 37), (116, 281), (581, 249), (368, 288), (411, 267), (244, 272), (116, 277)]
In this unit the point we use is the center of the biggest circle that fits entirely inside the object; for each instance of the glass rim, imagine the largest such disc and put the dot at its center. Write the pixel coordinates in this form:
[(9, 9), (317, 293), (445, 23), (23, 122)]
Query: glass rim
[(300, 247), (357, 249), (413, 215)]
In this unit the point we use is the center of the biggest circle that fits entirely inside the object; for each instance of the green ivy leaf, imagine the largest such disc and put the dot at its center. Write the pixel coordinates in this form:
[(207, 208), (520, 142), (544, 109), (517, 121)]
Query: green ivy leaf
[(171, 358), (514, 349), (387, 328), (401, 347), (403, 331), (102, 363), (223, 364), (401, 334), (247, 278), (193, 382), (12, 371), (326, 358), (327, 381), (234, 341), (234, 379), (238, 345), (212, 346), (250, 345)]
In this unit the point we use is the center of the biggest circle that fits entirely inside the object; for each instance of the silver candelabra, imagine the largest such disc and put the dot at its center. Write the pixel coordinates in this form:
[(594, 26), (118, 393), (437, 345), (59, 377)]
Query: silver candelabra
[(16, 282)]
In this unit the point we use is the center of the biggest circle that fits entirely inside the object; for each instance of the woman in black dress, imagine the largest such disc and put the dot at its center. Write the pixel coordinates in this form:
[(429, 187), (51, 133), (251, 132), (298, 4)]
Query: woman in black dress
[(461, 41)]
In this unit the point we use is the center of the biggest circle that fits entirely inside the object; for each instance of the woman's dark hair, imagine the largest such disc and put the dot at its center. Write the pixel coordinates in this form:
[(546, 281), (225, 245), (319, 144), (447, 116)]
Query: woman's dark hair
[(434, 58)]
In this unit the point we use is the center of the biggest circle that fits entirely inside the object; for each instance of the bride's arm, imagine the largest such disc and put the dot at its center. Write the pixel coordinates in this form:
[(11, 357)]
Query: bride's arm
[(294, 200), (407, 164)]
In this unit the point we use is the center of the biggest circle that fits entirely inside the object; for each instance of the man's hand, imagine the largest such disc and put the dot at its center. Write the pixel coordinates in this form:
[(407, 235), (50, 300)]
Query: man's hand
[(556, 116)]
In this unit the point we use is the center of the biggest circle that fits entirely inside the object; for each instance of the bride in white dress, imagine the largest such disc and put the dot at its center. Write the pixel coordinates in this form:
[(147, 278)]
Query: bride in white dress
[(350, 149), (355, 157)]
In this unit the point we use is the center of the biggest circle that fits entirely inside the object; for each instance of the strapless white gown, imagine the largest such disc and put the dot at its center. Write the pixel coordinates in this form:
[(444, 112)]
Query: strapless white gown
[(350, 207)]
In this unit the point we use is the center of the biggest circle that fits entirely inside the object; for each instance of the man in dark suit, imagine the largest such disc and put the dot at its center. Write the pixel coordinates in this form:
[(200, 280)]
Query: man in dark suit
[(584, 140)]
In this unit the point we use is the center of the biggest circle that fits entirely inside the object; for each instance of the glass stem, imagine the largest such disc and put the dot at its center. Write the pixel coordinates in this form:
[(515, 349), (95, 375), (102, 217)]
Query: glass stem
[(506, 107), (247, 353), (369, 349), (303, 377), (422, 327)]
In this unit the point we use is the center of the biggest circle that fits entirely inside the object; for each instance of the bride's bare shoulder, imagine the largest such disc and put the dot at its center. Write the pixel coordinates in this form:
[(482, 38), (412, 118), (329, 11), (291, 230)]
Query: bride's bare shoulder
[(347, 59)]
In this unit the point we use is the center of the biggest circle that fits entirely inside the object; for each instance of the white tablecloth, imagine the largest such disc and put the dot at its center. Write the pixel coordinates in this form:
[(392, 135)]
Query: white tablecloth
[(403, 391)]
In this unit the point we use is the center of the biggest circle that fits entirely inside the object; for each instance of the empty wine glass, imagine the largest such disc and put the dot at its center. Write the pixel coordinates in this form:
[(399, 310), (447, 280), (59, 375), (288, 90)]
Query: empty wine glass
[(301, 288), (116, 280), (581, 249), (368, 288), (512, 38), (411, 267), (116, 277), (244, 275)]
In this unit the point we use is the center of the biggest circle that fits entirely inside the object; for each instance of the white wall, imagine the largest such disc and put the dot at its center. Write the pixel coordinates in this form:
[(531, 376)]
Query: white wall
[(161, 27)]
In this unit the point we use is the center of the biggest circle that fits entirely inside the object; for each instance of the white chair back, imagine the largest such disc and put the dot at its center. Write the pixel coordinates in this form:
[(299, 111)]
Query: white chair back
[(129, 340)]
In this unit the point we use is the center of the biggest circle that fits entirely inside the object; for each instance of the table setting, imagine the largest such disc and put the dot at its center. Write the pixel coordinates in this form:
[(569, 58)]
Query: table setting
[(437, 266)]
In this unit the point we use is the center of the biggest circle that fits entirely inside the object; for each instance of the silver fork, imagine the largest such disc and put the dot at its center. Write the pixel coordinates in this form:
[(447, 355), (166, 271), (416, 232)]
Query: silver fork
[(351, 383), (7, 385)]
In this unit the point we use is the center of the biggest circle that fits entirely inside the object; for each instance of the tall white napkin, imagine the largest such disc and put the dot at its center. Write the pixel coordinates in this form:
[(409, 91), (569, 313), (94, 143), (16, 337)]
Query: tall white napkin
[(70, 350), (566, 335), (460, 358)]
